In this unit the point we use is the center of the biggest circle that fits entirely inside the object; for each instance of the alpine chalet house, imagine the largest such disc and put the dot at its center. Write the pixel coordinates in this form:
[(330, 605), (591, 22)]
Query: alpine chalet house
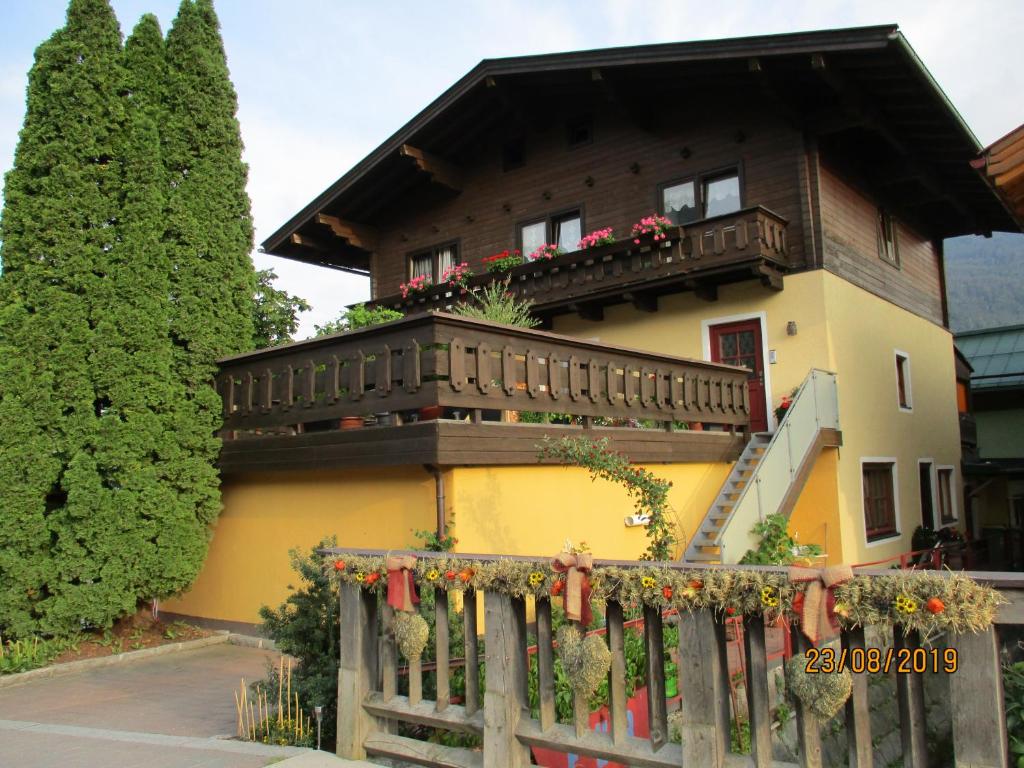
[(806, 182)]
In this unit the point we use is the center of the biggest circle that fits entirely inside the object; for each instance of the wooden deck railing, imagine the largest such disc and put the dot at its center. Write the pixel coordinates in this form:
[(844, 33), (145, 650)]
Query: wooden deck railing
[(445, 361), (370, 707), (626, 271)]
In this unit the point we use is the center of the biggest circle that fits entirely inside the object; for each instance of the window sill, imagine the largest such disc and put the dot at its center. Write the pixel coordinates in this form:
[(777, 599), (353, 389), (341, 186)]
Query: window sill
[(883, 538)]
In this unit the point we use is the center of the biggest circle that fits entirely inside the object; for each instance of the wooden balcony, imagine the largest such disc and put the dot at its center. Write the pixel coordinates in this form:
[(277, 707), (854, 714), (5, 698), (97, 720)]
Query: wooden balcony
[(738, 246), (500, 708), (289, 406)]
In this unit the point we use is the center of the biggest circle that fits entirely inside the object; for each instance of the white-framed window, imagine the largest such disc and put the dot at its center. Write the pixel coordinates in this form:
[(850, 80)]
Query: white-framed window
[(904, 397), (946, 495), (888, 245), (880, 498)]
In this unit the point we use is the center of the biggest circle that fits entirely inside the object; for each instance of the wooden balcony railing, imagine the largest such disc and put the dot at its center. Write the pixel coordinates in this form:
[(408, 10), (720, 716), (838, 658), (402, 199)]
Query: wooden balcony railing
[(370, 704), (471, 372), (748, 243)]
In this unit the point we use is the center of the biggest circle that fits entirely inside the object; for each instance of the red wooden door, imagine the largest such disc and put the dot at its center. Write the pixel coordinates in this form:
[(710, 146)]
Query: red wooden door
[(740, 344)]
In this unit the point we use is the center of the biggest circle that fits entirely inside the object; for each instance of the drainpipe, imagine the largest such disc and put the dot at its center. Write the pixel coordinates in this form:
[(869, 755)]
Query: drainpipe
[(439, 493)]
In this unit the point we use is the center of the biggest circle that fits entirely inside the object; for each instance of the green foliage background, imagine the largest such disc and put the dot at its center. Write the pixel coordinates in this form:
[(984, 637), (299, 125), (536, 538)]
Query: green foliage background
[(126, 236)]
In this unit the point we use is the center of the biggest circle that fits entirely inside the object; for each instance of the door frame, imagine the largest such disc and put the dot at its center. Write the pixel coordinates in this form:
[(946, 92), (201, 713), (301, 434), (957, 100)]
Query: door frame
[(762, 317)]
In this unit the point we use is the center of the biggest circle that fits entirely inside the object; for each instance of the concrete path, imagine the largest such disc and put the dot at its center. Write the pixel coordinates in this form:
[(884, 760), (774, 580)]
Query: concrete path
[(172, 711)]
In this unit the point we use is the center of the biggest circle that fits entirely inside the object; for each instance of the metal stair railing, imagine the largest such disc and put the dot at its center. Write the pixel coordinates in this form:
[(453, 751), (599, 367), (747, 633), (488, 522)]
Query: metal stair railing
[(814, 407)]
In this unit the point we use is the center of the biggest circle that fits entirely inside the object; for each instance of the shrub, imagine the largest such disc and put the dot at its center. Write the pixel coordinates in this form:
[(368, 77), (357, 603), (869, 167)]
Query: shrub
[(497, 304), (306, 626)]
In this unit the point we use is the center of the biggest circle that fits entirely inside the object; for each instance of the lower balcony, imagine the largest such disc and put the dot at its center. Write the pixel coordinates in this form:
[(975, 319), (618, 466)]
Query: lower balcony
[(439, 389), (745, 245)]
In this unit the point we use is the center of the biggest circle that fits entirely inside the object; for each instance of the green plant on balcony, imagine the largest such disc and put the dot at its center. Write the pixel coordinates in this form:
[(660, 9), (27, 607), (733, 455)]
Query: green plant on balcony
[(417, 286), (497, 304), (777, 547)]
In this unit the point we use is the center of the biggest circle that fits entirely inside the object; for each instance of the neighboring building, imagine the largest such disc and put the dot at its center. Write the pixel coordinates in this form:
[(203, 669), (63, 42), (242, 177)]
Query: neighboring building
[(995, 477), (810, 180)]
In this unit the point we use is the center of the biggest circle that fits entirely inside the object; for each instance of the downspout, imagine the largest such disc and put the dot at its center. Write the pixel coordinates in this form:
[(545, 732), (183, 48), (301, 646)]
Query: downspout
[(439, 496)]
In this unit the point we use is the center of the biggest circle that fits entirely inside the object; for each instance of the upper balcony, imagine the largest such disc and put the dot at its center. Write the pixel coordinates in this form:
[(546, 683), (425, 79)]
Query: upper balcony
[(440, 389), (700, 256)]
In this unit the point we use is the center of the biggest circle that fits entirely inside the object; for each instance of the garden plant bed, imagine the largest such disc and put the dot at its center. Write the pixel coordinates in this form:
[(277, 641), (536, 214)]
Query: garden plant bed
[(136, 636)]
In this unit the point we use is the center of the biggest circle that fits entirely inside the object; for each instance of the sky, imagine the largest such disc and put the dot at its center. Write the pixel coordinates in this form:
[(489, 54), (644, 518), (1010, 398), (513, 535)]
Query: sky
[(322, 82)]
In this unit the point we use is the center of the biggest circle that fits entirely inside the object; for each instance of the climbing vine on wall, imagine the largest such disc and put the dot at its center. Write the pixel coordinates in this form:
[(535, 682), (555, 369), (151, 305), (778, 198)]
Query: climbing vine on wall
[(648, 492)]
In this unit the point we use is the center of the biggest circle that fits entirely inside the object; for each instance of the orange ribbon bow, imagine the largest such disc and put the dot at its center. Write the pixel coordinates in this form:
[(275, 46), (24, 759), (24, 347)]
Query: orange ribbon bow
[(817, 614), (576, 597), (401, 587)]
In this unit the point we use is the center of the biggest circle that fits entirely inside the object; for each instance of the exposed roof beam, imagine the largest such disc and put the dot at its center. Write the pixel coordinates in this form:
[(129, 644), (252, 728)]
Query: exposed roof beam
[(440, 171), (318, 246), (357, 236)]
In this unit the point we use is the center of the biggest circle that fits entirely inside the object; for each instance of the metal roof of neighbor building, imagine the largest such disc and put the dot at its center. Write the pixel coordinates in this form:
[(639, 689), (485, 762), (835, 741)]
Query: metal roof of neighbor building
[(996, 355)]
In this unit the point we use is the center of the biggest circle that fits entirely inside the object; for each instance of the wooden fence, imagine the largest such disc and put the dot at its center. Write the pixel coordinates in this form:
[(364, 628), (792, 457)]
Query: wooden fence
[(370, 707)]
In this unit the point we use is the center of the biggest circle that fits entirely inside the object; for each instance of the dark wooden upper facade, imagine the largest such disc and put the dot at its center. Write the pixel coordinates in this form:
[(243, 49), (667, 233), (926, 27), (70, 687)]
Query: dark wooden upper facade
[(839, 140)]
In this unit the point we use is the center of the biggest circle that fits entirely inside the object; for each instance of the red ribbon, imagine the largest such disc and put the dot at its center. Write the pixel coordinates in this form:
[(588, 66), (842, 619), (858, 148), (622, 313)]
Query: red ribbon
[(576, 596), (401, 587)]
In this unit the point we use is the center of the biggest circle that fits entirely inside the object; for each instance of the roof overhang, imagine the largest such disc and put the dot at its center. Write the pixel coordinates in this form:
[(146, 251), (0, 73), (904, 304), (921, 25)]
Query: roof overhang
[(871, 73), (1002, 165)]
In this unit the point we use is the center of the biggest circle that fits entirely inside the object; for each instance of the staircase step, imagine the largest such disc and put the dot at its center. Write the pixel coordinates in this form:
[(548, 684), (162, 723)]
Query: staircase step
[(702, 558)]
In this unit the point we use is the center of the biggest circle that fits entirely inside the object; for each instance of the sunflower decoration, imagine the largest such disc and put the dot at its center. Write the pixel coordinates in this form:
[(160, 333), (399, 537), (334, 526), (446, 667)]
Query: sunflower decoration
[(769, 597), (904, 604), (535, 579), (360, 577), (648, 582), (433, 575)]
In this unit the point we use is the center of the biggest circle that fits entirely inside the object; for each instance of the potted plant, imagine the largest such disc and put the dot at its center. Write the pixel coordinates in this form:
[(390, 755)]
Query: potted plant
[(416, 286), (596, 238), (784, 405), (546, 252), (656, 226), (457, 276), (501, 262)]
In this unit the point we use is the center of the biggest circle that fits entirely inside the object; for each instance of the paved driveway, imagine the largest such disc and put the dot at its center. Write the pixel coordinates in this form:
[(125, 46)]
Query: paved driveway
[(171, 711)]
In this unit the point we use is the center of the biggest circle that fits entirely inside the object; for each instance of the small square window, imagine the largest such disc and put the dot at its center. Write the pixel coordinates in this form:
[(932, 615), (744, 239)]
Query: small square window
[(903, 382), (433, 262), (579, 131), (532, 236), (566, 231), (888, 247), (879, 500), (513, 154)]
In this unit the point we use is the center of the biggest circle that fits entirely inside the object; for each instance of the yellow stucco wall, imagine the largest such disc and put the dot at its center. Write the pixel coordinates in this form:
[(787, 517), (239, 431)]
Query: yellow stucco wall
[(266, 515), (841, 328), (815, 518), (532, 510)]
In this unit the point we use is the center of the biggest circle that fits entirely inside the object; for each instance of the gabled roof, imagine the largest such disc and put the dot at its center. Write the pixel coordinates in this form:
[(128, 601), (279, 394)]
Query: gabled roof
[(996, 355), (869, 70)]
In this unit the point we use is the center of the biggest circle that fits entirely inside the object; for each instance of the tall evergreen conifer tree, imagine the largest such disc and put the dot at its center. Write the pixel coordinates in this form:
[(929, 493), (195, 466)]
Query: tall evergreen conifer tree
[(62, 201), (124, 242)]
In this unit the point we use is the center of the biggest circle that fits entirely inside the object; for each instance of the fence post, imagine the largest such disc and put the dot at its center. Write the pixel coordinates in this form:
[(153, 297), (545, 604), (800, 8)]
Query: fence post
[(357, 669), (505, 683), (700, 680), (976, 690)]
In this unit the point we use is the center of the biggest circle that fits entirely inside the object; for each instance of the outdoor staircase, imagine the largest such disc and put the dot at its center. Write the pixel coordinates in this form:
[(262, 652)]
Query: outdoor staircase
[(770, 473)]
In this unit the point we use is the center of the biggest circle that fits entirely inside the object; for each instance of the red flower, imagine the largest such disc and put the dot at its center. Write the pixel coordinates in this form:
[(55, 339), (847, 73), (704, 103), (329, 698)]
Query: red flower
[(557, 587), (466, 575), (371, 578), (450, 575), (695, 584), (730, 611), (667, 592), (339, 565), (935, 606)]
